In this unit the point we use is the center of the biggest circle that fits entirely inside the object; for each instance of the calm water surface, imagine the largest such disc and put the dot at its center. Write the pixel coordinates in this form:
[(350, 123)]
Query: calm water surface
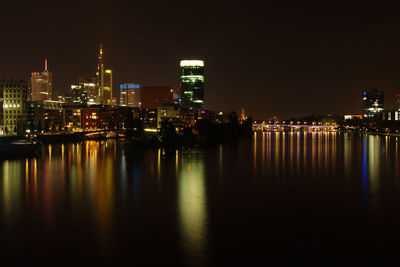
[(274, 199)]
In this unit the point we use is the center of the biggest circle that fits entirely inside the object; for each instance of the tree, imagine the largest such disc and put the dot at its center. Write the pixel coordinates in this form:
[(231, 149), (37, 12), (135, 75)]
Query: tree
[(169, 137)]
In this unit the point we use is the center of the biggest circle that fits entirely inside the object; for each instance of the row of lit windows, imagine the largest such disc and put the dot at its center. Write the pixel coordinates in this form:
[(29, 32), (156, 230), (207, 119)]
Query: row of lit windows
[(10, 106)]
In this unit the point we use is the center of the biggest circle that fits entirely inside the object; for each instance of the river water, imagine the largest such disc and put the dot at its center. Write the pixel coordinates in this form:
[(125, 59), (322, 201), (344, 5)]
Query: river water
[(273, 199)]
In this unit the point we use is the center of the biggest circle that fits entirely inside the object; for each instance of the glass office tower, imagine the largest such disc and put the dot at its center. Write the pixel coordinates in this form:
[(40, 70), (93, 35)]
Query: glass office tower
[(192, 83)]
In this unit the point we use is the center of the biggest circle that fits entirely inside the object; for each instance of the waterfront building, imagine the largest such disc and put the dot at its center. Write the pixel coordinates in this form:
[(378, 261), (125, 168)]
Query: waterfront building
[(152, 97), (179, 116), (45, 116), (13, 111), (72, 119), (41, 85), (89, 118), (391, 115), (130, 95), (355, 116), (373, 102), (192, 83)]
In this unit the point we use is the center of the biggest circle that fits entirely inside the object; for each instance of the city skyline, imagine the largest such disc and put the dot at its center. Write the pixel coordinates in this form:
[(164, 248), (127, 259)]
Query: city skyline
[(274, 62)]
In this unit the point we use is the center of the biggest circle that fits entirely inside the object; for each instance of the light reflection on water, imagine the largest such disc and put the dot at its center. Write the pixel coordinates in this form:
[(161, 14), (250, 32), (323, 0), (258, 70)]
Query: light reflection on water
[(192, 208), (99, 193)]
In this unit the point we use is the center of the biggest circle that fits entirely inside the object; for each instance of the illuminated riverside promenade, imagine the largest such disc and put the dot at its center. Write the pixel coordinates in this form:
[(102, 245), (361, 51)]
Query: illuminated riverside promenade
[(266, 127)]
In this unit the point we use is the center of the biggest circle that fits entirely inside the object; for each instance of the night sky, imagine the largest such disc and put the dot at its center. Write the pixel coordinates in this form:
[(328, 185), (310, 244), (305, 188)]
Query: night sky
[(287, 59)]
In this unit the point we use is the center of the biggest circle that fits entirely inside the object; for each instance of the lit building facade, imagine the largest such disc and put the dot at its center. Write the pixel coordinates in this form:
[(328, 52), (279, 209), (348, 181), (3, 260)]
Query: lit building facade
[(192, 83), (45, 116), (391, 115), (41, 85), (72, 119), (103, 82), (107, 91), (13, 110), (100, 77), (179, 116), (78, 96), (89, 88), (373, 102), (89, 118), (130, 95), (84, 92)]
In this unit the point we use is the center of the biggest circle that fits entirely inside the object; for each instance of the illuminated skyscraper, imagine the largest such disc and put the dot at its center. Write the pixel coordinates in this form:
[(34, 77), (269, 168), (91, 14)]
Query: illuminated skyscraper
[(100, 77), (41, 84), (373, 101), (107, 91), (242, 114), (84, 92), (104, 81), (130, 95), (89, 88), (14, 96), (192, 83)]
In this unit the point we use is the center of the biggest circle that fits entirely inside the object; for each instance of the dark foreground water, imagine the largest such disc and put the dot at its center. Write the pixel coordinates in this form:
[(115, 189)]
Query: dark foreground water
[(279, 198)]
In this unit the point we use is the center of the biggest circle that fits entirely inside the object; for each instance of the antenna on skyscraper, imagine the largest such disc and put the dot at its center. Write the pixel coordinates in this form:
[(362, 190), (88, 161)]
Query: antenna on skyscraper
[(45, 64)]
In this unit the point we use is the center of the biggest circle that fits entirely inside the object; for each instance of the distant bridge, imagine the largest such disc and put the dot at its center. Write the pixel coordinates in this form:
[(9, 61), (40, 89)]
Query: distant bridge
[(292, 127)]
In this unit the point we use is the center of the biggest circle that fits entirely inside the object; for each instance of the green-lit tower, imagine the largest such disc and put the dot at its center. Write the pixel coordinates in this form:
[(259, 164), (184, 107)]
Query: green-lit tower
[(192, 83)]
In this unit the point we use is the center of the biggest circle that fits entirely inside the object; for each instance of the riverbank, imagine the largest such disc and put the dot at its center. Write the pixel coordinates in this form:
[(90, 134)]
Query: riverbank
[(371, 133)]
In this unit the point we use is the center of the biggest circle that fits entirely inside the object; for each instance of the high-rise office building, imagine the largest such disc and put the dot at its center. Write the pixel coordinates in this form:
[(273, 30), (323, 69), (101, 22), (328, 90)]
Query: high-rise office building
[(104, 81), (41, 85), (84, 92), (100, 77), (89, 88), (78, 96), (373, 102), (107, 91), (14, 95), (130, 95), (192, 83)]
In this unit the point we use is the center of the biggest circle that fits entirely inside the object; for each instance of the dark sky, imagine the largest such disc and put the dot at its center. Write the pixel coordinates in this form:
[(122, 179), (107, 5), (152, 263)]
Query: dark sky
[(286, 59)]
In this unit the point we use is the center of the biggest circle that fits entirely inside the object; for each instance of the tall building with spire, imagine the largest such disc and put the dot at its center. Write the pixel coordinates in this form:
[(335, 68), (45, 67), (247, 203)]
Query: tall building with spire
[(41, 84), (104, 81), (242, 115), (100, 76)]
